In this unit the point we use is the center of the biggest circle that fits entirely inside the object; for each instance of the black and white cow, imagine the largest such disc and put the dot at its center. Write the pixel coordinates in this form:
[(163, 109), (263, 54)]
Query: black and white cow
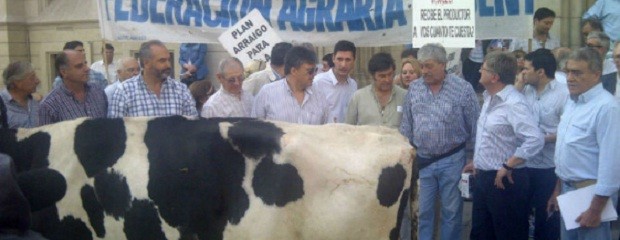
[(176, 178)]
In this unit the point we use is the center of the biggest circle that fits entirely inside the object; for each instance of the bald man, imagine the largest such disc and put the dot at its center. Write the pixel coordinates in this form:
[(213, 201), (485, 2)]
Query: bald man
[(127, 67)]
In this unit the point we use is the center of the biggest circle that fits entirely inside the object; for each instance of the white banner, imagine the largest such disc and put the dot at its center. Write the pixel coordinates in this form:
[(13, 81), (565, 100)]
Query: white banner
[(499, 19), (451, 23), (250, 39)]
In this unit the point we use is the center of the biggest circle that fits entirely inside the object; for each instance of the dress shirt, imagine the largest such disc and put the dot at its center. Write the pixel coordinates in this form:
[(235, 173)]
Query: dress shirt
[(95, 79), (60, 105), (338, 94), (132, 98), (275, 101), (257, 80), (617, 93), (523, 44), (18, 116), (607, 12), (109, 90), (506, 128), (609, 66), (587, 144), (365, 109), (225, 104), (560, 77), (436, 124), (100, 67), (547, 107)]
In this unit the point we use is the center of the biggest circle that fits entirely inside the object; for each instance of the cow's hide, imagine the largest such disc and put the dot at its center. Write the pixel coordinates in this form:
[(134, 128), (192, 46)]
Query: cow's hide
[(171, 178)]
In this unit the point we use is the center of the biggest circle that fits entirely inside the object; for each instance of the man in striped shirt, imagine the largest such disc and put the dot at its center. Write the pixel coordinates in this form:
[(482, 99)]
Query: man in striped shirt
[(294, 99), (230, 100), (507, 137)]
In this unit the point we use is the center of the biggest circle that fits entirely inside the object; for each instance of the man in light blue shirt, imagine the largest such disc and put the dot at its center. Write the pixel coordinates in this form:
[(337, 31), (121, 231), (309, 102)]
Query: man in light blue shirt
[(587, 146), (607, 11)]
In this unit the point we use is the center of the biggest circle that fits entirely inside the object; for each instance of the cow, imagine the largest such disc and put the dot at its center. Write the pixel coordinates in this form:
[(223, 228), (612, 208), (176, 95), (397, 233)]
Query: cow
[(236, 178)]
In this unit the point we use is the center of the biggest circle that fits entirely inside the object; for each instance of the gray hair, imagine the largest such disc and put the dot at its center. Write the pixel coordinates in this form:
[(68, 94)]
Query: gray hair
[(120, 63), (504, 64), (433, 51), (226, 62), (602, 37), (589, 55), (561, 57), (145, 50), (16, 71)]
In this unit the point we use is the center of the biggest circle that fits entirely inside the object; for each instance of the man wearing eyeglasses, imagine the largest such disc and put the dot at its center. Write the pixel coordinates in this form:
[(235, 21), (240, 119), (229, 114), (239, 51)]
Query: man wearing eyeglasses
[(128, 67), (154, 92), (600, 42), (293, 99), (231, 100)]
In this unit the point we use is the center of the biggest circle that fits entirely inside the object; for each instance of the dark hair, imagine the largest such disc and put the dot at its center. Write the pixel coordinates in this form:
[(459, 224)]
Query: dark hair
[(543, 58), (594, 23), (504, 64), (201, 91), (61, 62), (298, 56), (72, 45), (278, 52), (380, 62), (543, 13), (145, 50), (329, 58), (409, 52), (108, 47), (345, 46)]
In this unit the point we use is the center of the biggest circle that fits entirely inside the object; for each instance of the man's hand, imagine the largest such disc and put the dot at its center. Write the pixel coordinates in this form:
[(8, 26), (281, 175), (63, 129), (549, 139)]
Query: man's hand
[(191, 68), (519, 82), (501, 173), (469, 168), (591, 218), (552, 203)]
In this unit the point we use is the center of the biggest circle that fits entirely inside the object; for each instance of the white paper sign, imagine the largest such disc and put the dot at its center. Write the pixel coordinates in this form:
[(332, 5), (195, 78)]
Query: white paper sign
[(573, 203), (451, 23)]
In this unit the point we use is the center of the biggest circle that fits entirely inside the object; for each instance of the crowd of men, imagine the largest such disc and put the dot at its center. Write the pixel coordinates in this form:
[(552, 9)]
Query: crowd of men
[(548, 123)]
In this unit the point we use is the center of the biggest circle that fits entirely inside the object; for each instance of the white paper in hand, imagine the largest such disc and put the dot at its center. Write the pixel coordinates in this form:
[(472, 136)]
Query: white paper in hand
[(573, 203)]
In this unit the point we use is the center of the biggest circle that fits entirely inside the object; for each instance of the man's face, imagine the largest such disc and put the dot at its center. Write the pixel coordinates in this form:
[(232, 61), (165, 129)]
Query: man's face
[(159, 63), (486, 75), (384, 80), (544, 25), (530, 75), (596, 44), (77, 68), (109, 55), (585, 30), (343, 63), (304, 74), (616, 56), (232, 78), (433, 72), (580, 78), (79, 49), (129, 69), (28, 84)]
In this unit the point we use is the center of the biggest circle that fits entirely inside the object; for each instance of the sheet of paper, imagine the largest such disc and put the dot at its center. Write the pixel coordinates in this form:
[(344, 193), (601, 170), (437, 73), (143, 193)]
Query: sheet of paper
[(573, 203)]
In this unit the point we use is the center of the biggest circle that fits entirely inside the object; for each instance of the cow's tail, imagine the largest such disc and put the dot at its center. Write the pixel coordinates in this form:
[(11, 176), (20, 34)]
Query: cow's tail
[(4, 119)]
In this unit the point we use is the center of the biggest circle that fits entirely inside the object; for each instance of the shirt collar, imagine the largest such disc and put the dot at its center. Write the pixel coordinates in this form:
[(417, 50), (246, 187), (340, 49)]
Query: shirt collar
[(66, 91), (588, 95), (290, 91), (333, 78)]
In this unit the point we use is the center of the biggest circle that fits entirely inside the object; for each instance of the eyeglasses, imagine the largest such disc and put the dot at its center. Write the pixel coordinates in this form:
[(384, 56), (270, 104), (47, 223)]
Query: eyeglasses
[(593, 46), (488, 70), (232, 80), (312, 71)]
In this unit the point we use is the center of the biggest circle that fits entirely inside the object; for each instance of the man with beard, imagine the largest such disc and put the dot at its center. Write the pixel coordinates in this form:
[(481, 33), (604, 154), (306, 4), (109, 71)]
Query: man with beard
[(152, 93), (543, 21)]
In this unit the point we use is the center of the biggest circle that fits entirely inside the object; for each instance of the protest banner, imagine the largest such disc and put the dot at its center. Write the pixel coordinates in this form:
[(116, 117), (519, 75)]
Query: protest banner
[(501, 19), (451, 23), (252, 38)]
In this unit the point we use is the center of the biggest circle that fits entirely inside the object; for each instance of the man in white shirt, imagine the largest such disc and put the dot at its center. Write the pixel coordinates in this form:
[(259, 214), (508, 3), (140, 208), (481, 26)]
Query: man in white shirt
[(336, 84), (601, 43), (106, 66), (231, 100), (543, 21), (128, 68)]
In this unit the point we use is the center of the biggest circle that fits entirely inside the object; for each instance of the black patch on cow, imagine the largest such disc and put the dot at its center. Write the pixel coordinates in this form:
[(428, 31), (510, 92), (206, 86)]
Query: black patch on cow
[(71, 228), (30, 153), (391, 182), (93, 210), (195, 175), (277, 184), (142, 222), (99, 143), (42, 187), (113, 193), (256, 138)]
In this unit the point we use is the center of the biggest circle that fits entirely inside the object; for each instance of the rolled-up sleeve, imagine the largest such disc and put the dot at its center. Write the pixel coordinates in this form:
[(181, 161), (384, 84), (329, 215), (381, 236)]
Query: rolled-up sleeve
[(607, 137)]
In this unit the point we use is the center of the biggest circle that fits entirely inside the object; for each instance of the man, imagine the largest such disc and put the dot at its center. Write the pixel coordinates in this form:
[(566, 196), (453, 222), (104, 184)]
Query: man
[(607, 12), (106, 66), (507, 137), (439, 117), (230, 100), (192, 58), (379, 103), (590, 25), (75, 97), (543, 21), (600, 42), (327, 62), (613, 79), (546, 97), (96, 79), (128, 68), (152, 93), (293, 99), (274, 72), (586, 151), (561, 56), (336, 83), (21, 82)]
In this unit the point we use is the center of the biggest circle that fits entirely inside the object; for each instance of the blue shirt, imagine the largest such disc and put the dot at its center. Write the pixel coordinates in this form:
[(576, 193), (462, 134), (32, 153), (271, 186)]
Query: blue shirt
[(95, 79), (588, 143), (608, 12), (506, 128), (133, 99), (436, 124), (18, 116), (61, 105), (194, 53), (547, 107)]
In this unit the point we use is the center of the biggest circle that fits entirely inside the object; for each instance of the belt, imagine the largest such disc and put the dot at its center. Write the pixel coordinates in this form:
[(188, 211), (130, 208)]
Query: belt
[(580, 184), (423, 162)]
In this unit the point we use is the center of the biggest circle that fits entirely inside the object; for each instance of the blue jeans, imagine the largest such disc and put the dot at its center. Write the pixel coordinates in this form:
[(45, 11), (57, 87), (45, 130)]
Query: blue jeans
[(440, 177), (603, 231)]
